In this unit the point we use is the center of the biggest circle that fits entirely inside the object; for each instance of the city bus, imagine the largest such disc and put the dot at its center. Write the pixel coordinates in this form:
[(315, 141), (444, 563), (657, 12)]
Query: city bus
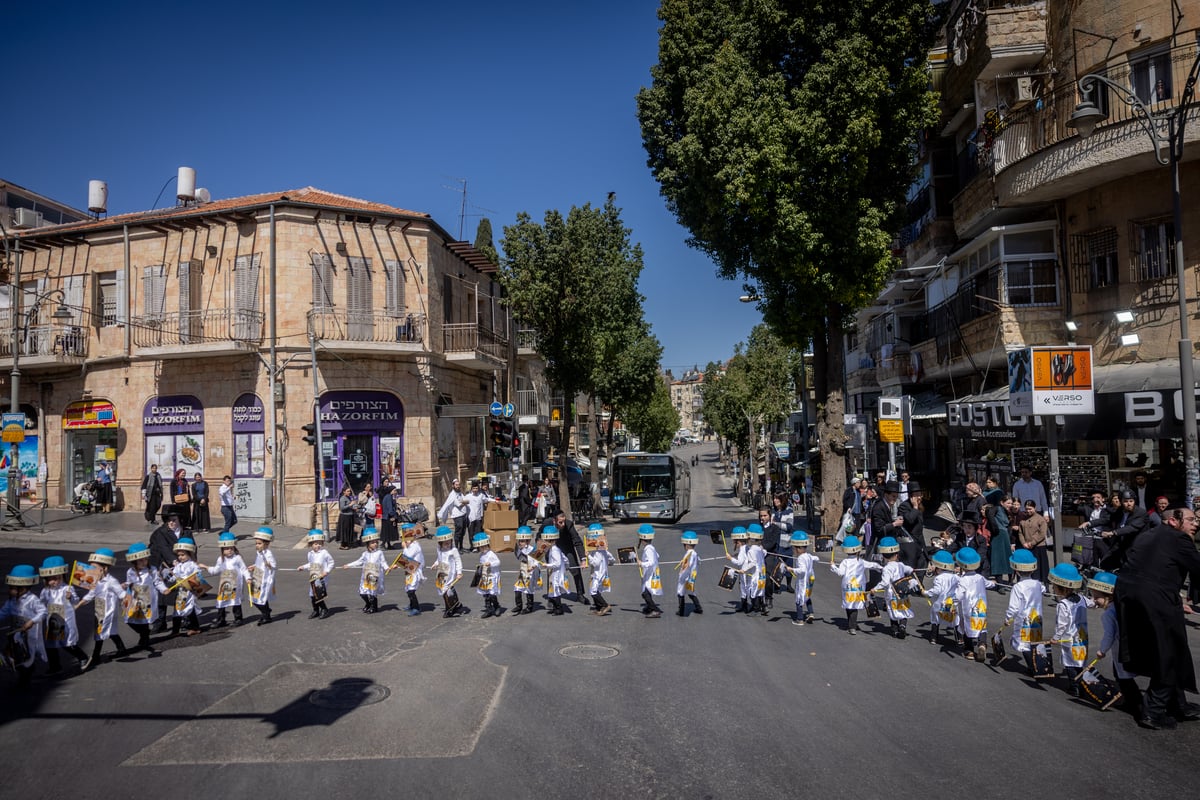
[(649, 486)]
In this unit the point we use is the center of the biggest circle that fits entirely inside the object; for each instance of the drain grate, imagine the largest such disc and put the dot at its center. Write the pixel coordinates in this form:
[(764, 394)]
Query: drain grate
[(347, 693), (589, 652)]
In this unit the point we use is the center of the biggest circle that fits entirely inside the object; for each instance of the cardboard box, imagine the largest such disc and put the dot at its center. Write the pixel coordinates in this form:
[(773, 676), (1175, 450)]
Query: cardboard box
[(504, 540), (500, 520), (497, 505)]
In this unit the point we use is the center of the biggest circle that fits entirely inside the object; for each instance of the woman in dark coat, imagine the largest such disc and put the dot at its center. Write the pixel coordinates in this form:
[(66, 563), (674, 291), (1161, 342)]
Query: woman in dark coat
[(200, 521), (179, 487), (345, 523), (995, 516), (388, 532)]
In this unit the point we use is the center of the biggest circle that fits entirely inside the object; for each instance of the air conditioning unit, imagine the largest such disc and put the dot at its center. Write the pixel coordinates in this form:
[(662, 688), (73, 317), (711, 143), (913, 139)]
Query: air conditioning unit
[(26, 218)]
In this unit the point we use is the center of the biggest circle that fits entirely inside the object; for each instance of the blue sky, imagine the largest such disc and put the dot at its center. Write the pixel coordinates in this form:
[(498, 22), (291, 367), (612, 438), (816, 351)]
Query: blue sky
[(532, 103)]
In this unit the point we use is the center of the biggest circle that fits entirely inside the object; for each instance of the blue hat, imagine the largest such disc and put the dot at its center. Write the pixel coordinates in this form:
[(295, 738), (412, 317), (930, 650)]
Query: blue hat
[(54, 565), (369, 529), (444, 533), (888, 545), (369, 534), (265, 534), (595, 526), (227, 539), (22, 575), (799, 539), (315, 535), (968, 557), (689, 537), (852, 544), (524, 532), (754, 527), (103, 556), (645, 531), (1067, 576), (739, 532), (550, 533), (481, 539), (136, 552), (1103, 582), (942, 559), (1023, 561)]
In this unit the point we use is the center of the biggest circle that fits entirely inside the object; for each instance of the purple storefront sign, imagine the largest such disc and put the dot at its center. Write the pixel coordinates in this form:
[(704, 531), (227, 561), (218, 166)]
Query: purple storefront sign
[(361, 411), (248, 414), (173, 414)]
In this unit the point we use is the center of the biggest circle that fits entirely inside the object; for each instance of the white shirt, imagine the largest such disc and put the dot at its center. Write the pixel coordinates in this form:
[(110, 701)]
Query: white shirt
[(226, 494), (454, 507), (1031, 489), (476, 501)]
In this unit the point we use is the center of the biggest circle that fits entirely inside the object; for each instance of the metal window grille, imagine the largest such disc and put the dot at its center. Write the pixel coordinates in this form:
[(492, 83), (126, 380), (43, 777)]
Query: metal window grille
[(1152, 249), (1094, 259), (1032, 283)]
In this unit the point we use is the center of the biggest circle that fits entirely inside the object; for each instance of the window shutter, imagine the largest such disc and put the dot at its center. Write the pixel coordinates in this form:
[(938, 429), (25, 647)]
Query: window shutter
[(122, 299), (322, 282), (394, 296), (73, 286), (154, 290), (246, 273), (359, 320)]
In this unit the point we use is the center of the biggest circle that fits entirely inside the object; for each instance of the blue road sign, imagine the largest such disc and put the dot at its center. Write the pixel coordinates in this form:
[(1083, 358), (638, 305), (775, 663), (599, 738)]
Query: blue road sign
[(496, 408), (509, 410)]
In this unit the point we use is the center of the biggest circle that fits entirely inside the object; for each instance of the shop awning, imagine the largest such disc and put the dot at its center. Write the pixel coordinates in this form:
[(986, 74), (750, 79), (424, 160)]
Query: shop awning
[(929, 405)]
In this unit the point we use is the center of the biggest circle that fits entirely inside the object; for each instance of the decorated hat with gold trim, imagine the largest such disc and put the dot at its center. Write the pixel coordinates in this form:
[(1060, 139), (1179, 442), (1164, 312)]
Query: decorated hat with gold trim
[(103, 556), (851, 545), (444, 533), (689, 537), (799, 539), (369, 534), (1067, 576), (550, 533), (53, 566), (315, 535), (22, 575), (185, 545), (1023, 560), (264, 534), (738, 533), (524, 533), (645, 531), (137, 551), (943, 559), (968, 557), (481, 539), (1103, 582), (888, 545), (227, 539), (754, 531)]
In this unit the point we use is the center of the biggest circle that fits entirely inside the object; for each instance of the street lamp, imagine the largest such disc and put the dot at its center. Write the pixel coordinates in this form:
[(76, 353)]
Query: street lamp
[(1084, 120)]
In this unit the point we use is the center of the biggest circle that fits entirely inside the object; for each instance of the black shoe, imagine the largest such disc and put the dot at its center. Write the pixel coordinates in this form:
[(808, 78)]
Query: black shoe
[(316, 612), (323, 613), (487, 609), (264, 619), (1189, 712), (680, 613), (1156, 722)]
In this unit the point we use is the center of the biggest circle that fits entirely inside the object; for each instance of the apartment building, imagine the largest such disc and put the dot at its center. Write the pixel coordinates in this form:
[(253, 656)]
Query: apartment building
[(685, 396), (185, 338), (1024, 233)]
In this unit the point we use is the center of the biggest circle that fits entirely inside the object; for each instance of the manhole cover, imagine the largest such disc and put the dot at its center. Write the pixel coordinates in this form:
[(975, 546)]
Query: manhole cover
[(589, 652), (349, 693)]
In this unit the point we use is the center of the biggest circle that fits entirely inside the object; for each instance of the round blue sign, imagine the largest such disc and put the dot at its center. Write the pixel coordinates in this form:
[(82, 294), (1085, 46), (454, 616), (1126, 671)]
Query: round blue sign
[(496, 409), (509, 410)]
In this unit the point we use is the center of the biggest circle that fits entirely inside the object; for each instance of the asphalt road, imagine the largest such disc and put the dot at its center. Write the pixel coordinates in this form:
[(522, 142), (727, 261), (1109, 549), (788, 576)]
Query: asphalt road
[(718, 705)]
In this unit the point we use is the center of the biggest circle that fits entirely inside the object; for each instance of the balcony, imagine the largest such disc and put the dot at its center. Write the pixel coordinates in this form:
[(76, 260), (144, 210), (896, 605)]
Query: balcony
[(1039, 159), (471, 345), (44, 345), (527, 342), (368, 332), (187, 334), (987, 38), (533, 408)]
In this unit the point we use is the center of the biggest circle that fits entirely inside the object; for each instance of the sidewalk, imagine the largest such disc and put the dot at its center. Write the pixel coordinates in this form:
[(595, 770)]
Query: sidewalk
[(118, 530)]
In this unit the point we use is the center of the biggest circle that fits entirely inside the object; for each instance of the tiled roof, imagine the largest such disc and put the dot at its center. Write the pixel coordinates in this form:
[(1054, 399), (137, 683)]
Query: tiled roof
[(308, 196)]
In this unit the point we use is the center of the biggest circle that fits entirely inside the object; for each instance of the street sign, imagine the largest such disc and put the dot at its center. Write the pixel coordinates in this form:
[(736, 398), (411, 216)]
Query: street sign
[(496, 409), (891, 431), (1062, 380), (509, 410), (12, 428)]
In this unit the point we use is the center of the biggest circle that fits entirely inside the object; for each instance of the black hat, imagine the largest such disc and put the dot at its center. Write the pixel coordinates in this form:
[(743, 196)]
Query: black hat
[(891, 486), (913, 488), (971, 516), (1126, 494)]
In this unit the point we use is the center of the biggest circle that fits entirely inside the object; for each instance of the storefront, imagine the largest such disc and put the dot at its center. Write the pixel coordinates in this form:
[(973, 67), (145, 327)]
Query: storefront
[(363, 439), (249, 437), (90, 432), (29, 456), (173, 426)]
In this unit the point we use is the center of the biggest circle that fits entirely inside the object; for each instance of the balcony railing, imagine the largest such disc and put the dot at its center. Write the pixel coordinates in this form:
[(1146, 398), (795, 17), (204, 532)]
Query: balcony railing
[(340, 325), (527, 340), (55, 341), (211, 326), (969, 302), (470, 337), (532, 403)]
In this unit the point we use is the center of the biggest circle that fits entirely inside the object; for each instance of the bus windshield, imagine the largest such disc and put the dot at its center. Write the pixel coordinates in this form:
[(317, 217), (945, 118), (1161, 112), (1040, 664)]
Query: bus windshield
[(643, 479)]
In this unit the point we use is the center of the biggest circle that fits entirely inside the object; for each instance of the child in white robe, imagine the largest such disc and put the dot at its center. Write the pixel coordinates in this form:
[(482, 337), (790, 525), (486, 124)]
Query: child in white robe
[(374, 564), (178, 579), (599, 559), (689, 569), (895, 575), (971, 598), (1025, 606), (757, 557), (853, 572), (528, 571), (740, 561), (319, 565), (414, 565), (144, 585), (1070, 630), (108, 595), (943, 596), (489, 575), (449, 570), (556, 571), (648, 567), (232, 571), (25, 612), (803, 569), (59, 598), (261, 577)]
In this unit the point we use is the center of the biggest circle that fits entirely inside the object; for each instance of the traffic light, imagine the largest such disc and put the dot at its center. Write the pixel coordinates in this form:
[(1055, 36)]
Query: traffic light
[(310, 433), (505, 441)]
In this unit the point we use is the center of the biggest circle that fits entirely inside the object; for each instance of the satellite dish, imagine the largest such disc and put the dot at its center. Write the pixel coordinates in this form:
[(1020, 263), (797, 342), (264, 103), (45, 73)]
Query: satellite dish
[(203, 196)]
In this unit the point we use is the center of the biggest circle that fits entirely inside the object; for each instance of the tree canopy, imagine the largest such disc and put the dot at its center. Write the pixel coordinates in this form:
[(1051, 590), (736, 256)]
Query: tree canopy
[(653, 418)]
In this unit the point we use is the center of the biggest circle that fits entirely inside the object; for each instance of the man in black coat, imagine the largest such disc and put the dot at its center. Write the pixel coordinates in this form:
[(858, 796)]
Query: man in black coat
[(571, 544), (772, 534), (152, 492), (525, 508), (912, 532), (1129, 521), (162, 552), (1150, 613)]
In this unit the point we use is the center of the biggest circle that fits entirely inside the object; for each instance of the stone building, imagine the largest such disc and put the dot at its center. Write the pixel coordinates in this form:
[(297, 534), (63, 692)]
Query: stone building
[(685, 396), (1024, 233), (184, 337)]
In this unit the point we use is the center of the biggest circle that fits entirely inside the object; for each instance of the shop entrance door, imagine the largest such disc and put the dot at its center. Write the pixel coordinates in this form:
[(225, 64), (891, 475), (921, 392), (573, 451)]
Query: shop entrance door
[(358, 461)]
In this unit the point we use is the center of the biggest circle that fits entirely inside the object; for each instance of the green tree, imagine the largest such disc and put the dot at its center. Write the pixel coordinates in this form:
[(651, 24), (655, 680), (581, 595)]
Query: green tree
[(574, 281), (780, 134), (483, 240), (653, 419)]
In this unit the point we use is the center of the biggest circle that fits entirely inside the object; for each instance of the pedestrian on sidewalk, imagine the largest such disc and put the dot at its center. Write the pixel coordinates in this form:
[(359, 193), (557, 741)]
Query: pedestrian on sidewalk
[(152, 492), (227, 512), (200, 515)]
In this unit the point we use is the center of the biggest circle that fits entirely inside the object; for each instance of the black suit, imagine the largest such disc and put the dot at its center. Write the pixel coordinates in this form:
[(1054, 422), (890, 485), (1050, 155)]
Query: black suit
[(152, 491), (525, 509), (1153, 634), (1126, 525), (913, 553), (162, 551)]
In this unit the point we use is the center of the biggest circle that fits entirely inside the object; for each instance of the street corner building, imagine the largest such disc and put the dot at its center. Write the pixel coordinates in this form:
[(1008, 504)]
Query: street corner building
[(188, 338)]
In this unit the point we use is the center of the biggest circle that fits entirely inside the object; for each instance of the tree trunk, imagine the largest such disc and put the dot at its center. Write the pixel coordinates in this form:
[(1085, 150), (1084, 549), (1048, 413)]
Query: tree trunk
[(829, 361), (594, 452), (564, 484)]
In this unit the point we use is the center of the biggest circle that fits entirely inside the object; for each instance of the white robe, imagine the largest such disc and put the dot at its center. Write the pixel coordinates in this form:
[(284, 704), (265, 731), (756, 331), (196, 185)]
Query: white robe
[(107, 595), (1025, 613), (185, 599), (529, 574), (804, 569), (415, 577), (20, 610), (943, 599), (756, 556), (320, 567), (232, 580), (261, 578), (61, 628), (556, 568), (898, 607), (853, 571), (374, 571), (144, 588), (741, 562), (449, 569), (599, 583), (489, 579), (688, 570), (651, 579), (1071, 632), (971, 597)]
